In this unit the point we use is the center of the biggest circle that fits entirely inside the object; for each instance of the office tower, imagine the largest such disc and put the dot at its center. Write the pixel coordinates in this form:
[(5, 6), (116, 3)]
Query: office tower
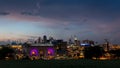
[(44, 39), (39, 40)]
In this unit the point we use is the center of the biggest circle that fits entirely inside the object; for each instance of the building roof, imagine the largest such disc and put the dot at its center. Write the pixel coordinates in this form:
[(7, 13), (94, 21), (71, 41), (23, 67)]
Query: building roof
[(41, 44)]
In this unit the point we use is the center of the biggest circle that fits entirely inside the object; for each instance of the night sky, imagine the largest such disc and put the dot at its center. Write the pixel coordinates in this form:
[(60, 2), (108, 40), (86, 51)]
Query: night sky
[(87, 19)]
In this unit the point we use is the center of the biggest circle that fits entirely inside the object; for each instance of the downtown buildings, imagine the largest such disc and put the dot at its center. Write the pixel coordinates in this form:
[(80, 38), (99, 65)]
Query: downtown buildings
[(44, 48)]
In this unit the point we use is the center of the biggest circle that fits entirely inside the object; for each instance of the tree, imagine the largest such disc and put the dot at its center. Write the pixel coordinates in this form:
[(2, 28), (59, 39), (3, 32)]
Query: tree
[(116, 53), (95, 51), (88, 52), (6, 52), (98, 51)]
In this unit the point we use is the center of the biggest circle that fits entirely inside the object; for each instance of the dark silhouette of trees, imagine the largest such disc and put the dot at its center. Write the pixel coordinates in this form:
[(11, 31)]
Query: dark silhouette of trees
[(98, 51), (115, 53), (6, 52), (26, 58), (95, 51), (88, 52)]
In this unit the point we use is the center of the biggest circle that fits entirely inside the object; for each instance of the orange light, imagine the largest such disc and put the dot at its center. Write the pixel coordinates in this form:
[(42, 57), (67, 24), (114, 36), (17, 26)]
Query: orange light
[(49, 52), (33, 53), (41, 52), (103, 58)]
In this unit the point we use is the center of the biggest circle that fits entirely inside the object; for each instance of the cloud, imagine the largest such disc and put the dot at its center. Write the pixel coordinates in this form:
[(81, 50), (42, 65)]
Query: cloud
[(26, 13), (4, 13), (28, 36)]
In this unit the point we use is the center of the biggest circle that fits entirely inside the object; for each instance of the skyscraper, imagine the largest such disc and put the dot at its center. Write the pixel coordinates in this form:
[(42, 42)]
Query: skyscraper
[(44, 39), (39, 40), (76, 41)]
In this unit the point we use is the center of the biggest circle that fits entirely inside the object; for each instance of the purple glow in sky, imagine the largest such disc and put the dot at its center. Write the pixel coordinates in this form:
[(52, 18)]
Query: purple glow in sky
[(87, 19)]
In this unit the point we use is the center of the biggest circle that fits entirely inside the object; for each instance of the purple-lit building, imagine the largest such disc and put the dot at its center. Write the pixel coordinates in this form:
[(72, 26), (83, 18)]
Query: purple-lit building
[(41, 51)]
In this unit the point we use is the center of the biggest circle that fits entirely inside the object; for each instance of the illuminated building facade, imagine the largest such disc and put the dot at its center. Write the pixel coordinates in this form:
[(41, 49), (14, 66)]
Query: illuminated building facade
[(18, 51), (41, 51)]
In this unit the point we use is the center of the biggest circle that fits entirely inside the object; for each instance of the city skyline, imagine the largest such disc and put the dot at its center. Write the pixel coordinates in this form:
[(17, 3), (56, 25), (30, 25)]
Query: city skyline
[(61, 19)]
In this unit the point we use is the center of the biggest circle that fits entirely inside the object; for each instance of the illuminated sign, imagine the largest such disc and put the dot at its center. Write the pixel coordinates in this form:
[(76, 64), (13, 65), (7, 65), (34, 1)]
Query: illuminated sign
[(85, 44)]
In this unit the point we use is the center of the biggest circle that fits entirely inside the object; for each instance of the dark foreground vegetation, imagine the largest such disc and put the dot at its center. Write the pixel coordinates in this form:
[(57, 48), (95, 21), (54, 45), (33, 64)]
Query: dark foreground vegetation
[(82, 63)]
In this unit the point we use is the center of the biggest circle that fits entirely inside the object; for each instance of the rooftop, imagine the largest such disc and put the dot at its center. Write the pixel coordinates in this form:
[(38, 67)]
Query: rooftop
[(39, 44)]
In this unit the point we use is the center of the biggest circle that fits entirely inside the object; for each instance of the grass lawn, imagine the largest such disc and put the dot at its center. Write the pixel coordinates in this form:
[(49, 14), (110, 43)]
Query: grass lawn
[(82, 63)]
